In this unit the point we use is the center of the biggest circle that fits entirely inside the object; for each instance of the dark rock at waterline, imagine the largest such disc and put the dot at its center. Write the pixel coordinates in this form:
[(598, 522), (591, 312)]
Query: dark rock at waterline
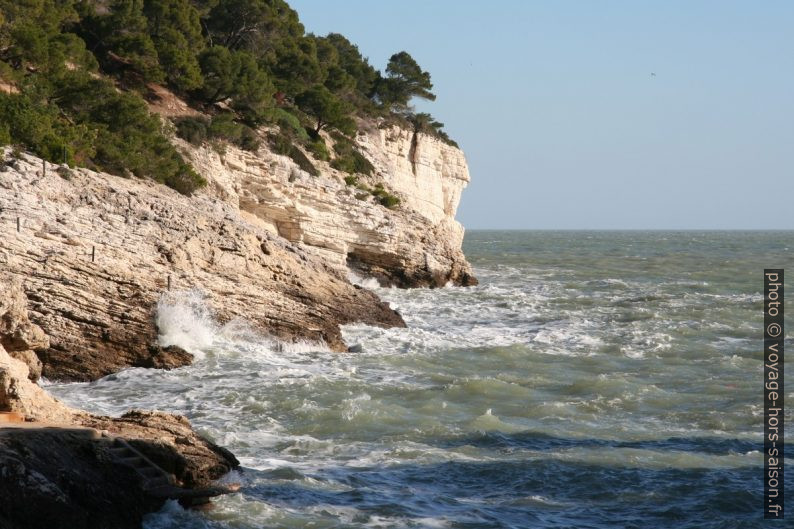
[(64, 479), (397, 270), (68, 477), (170, 442), (66, 468)]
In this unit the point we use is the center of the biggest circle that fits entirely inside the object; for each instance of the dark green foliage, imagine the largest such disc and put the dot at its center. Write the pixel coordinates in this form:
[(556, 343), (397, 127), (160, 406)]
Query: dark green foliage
[(389, 201), (224, 127), (348, 158), (83, 65), (350, 60), (93, 124), (328, 110), (40, 128), (197, 130), (120, 39), (384, 197), (175, 30), (318, 149), (31, 33), (5, 133), (288, 122), (192, 129), (404, 79), (283, 144), (294, 65), (252, 24), (128, 138), (235, 75), (425, 123)]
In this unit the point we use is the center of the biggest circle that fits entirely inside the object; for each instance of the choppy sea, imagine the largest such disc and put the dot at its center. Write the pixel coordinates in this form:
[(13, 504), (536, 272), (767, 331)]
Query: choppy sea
[(592, 380)]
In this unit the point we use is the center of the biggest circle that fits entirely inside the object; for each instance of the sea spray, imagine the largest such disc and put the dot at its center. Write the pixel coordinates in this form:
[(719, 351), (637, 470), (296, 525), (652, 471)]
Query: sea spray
[(184, 319), (545, 397)]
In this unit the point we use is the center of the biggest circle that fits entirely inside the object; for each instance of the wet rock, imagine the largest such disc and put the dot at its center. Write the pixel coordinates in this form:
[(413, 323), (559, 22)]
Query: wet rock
[(56, 470), (61, 478)]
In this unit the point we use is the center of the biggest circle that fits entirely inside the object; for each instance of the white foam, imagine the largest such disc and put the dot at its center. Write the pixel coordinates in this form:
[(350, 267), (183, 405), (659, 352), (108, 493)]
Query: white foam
[(365, 282), (184, 320)]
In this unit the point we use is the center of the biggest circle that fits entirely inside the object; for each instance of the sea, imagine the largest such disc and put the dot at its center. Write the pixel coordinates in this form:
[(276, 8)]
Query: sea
[(593, 379)]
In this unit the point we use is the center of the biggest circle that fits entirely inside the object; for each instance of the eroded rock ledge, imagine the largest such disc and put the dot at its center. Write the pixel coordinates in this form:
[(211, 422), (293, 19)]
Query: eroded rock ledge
[(57, 471), (95, 253), (417, 244)]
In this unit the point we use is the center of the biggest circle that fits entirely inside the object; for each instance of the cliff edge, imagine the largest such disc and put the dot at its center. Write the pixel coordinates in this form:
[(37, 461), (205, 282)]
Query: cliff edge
[(96, 252), (417, 243)]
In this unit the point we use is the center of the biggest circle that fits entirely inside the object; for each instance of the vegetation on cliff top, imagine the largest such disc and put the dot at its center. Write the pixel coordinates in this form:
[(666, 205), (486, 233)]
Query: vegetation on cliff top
[(76, 75)]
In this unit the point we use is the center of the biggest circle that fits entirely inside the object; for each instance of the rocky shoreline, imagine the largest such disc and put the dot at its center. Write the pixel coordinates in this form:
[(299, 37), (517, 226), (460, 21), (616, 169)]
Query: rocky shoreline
[(58, 468), (86, 258), (96, 252)]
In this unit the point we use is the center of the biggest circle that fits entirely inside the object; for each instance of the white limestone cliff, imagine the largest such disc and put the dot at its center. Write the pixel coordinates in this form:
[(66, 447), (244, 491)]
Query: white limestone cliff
[(95, 253), (418, 243)]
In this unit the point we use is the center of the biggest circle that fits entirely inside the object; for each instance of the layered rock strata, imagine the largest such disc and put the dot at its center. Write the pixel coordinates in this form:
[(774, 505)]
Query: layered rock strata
[(95, 252), (56, 470), (417, 243)]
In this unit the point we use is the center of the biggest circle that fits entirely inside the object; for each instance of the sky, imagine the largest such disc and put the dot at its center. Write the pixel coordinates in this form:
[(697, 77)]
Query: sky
[(600, 115)]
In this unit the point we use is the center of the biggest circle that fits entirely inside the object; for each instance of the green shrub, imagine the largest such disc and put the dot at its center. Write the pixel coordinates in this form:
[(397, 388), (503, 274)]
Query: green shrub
[(281, 144), (390, 201), (343, 164), (223, 127), (197, 130), (249, 141), (384, 197), (351, 180), (40, 128), (78, 119), (192, 129), (288, 122), (348, 158), (318, 149), (5, 134)]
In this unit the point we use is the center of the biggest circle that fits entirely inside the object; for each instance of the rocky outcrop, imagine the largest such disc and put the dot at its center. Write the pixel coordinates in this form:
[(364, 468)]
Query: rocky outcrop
[(61, 478), (68, 476), (170, 442), (18, 393), (416, 244), (18, 335), (56, 470), (95, 252)]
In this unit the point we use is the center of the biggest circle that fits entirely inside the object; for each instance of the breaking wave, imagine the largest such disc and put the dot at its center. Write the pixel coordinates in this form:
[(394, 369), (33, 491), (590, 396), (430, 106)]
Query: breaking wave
[(589, 378)]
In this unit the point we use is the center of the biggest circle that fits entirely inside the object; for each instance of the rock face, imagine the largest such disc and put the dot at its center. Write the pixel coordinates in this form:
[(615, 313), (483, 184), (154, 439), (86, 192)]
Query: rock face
[(18, 335), (416, 244), (18, 393), (95, 252), (60, 478), (57, 471), (170, 442)]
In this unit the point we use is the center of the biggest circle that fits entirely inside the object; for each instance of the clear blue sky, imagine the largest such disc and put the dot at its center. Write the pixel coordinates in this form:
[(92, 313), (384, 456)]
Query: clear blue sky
[(565, 127)]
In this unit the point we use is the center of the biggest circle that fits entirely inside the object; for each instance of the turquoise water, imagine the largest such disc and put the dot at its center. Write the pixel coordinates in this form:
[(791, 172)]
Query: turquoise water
[(592, 379)]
